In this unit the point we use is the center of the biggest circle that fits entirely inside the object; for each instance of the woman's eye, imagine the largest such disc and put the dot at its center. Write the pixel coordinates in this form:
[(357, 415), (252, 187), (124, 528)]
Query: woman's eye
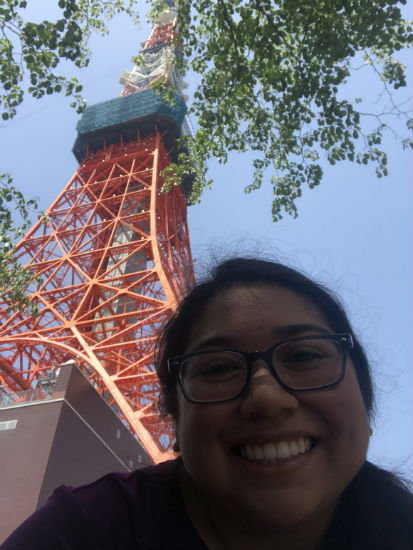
[(208, 369), (220, 369), (306, 356), (302, 357)]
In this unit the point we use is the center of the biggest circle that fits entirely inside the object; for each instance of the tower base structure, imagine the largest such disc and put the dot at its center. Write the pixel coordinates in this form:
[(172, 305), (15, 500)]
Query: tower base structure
[(63, 433), (115, 260)]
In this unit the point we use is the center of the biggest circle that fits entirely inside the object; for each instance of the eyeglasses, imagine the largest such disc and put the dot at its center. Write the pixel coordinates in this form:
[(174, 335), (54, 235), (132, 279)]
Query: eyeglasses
[(301, 364)]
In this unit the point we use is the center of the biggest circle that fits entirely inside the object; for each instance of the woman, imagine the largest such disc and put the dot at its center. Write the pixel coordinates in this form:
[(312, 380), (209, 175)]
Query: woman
[(271, 396)]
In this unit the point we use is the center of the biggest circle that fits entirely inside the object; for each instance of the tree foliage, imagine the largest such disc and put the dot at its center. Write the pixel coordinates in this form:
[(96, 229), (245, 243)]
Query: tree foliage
[(14, 278), (30, 54), (273, 78)]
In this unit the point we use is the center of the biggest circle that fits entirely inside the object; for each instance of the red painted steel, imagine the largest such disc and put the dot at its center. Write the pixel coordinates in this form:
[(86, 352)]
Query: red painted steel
[(160, 35), (160, 38), (115, 260)]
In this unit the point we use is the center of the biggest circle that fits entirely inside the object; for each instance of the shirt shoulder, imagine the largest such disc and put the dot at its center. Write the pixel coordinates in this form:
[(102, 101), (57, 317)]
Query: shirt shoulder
[(375, 512), (117, 510)]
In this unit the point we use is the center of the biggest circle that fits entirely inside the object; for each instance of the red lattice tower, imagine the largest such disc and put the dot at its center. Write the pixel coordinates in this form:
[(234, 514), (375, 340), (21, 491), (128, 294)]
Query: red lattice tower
[(115, 260)]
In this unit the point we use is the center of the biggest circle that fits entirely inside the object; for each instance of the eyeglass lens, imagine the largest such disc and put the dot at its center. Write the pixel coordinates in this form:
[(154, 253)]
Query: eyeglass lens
[(303, 364)]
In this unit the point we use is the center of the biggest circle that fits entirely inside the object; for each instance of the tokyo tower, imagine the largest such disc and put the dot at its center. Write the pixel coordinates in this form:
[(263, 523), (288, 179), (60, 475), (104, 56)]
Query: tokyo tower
[(113, 254)]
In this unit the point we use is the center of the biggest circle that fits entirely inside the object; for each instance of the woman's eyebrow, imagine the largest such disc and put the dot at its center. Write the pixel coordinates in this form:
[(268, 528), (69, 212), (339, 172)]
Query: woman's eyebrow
[(287, 331), (213, 342), (290, 331)]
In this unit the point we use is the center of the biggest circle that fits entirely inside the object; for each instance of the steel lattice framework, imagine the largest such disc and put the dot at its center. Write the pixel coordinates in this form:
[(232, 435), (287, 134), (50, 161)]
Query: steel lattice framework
[(115, 259), (113, 254)]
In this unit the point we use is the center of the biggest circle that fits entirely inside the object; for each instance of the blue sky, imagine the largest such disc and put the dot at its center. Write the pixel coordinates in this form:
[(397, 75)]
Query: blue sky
[(353, 233)]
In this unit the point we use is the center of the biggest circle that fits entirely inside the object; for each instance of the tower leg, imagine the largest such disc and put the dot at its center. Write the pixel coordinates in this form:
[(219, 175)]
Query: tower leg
[(115, 259)]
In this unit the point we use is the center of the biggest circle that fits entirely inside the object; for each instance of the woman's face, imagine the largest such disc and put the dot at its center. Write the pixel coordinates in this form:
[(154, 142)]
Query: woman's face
[(333, 420)]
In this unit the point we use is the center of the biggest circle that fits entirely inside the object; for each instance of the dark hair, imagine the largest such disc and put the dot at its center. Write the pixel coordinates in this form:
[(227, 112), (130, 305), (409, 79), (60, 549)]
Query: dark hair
[(241, 272)]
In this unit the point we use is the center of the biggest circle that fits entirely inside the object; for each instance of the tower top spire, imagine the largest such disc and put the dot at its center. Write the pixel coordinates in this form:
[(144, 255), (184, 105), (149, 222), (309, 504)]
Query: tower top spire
[(138, 113), (157, 58)]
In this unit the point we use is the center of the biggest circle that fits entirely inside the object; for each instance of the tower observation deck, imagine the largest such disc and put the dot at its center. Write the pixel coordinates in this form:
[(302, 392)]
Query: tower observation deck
[(114, 254)]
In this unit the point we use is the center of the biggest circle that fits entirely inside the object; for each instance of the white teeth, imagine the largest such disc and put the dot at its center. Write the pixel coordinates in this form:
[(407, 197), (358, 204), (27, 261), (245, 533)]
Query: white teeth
[(283, 450), (258, 453), (250, 452), (301, 445), (293, 448), (270, 452)]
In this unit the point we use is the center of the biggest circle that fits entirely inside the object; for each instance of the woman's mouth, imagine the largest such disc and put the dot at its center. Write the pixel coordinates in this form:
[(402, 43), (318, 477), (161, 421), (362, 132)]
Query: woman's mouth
[(272, 452)]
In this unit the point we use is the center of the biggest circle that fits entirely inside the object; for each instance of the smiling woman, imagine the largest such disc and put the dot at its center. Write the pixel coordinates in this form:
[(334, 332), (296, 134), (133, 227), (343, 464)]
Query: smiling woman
[(271, 396), (276, 493), (274, 441)]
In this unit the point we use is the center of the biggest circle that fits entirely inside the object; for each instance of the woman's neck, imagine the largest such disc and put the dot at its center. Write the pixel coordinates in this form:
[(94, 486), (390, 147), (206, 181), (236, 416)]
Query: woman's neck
[(221, 529)]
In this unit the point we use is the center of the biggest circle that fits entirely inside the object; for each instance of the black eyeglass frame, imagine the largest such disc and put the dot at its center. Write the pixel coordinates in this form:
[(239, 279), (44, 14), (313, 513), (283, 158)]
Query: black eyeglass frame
[(343, 340)]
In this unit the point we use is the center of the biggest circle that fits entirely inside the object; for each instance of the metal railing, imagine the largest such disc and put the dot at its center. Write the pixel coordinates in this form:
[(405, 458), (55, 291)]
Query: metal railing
[(41, 392)]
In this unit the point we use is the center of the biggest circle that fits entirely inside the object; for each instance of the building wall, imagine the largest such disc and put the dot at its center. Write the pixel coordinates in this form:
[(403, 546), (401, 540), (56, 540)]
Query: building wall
[(90, 439), (72, 438), (24, 453)]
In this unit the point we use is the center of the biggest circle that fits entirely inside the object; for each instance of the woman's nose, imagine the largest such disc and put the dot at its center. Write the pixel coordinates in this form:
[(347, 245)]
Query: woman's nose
[(265, 397)]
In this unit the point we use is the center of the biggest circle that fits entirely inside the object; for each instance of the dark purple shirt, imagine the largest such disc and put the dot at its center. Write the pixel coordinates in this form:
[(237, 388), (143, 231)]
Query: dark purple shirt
[(140, 510), (144, 510)]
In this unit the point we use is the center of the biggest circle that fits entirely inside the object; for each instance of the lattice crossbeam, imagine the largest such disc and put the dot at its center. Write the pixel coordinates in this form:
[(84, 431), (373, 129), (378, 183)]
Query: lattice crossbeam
[(115, 260)]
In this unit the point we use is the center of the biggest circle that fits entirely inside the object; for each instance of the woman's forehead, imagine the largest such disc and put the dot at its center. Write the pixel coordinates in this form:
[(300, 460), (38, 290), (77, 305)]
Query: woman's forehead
[(257, 297), (275, 309)]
